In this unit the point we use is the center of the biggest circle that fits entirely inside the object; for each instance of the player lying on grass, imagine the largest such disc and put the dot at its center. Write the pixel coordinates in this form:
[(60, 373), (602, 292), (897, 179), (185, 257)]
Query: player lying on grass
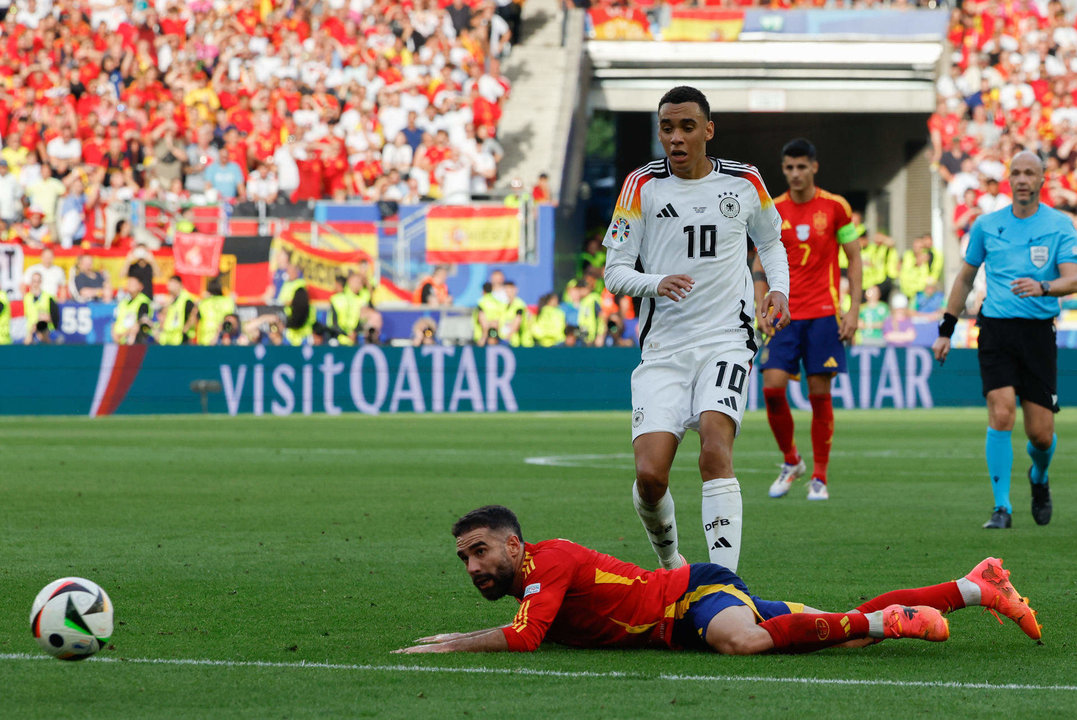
[(577, 596)]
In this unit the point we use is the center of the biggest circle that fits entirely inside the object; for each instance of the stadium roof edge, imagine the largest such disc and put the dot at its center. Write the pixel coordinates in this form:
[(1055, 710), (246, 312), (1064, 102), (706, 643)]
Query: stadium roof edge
[(770, 76)]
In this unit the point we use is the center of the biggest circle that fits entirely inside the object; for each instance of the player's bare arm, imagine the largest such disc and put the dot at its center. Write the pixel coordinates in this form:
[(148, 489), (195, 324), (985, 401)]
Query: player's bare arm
[(446, 637), (850, 320), (959, 293), (1065, 284), (490, 640)]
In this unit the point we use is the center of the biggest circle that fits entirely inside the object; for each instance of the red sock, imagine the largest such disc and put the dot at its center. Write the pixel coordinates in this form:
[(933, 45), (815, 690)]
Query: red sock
[(780, 418), (807, 632), (944, 598), (822, 432)]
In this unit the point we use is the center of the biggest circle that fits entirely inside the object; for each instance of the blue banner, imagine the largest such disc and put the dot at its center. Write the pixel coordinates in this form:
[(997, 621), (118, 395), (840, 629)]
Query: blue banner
[(893, 24), (106, 379)]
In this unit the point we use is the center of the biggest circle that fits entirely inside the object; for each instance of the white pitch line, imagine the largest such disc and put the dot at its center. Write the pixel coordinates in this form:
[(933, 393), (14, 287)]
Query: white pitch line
[(613, 674)]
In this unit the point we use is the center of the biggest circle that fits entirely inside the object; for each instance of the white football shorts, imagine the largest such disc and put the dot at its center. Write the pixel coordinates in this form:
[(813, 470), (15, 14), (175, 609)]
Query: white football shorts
[(669, 394)]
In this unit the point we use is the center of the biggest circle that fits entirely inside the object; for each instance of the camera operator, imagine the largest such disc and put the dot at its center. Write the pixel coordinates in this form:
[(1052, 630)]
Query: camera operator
[(231, 331), (615, 332), (424, 332)]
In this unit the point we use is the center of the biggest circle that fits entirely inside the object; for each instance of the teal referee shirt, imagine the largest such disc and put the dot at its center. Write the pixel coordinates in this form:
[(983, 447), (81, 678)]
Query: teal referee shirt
[(1009, 248)]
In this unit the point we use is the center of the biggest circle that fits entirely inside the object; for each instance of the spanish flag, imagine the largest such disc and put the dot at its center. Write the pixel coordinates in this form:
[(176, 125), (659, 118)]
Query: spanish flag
[(465, 234), (704, 25)]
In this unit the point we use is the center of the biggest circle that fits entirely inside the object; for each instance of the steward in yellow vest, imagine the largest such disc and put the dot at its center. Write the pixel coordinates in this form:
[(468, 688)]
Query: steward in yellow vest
[(180, 317), (549, 326), (211, 313), (590, 319), (299, 316), (919, 266), (39, 307), (487, 316), (515, 320), (5, 319), (346, 310), (133, 315)]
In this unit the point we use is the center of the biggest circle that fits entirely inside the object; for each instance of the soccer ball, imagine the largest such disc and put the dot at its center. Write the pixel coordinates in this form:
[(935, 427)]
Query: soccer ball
[(71, 618)]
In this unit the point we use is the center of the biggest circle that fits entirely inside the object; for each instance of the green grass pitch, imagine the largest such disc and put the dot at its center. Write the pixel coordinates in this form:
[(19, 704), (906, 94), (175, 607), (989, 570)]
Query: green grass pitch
[(285, 559)]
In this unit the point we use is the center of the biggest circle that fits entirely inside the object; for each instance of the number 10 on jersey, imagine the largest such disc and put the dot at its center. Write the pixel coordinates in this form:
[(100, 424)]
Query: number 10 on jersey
[(708, 237)]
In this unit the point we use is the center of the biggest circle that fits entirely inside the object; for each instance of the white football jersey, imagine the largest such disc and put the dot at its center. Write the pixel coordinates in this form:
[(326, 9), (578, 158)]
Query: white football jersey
[(698, 228)]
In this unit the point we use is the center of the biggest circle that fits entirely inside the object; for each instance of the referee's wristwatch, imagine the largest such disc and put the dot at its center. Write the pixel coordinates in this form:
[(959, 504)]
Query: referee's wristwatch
[(1045, 287)]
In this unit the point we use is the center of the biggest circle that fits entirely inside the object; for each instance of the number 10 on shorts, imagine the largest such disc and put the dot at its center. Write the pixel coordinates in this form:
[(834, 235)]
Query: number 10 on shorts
[(737, 375)]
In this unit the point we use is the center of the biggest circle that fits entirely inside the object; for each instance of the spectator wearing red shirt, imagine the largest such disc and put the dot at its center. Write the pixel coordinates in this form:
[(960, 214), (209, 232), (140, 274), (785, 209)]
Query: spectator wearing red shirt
[(311, 174), (484, 112), (541, 192)]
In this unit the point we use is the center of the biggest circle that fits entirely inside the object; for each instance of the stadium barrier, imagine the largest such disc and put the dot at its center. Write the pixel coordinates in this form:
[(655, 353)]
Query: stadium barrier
[(105, 379)]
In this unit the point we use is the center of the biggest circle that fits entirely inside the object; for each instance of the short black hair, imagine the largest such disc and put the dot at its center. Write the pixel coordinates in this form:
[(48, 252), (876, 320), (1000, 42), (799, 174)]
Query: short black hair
[(494, 517), (686, 94), (799, 147)]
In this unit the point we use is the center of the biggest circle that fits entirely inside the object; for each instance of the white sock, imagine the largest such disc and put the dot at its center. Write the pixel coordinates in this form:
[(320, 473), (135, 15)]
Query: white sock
[(722, 520), (875, 624), (660, 522), (970, 592)]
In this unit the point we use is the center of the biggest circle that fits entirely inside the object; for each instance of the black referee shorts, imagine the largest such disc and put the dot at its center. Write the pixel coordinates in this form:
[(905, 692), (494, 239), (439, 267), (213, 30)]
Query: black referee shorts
[(1020, 353)]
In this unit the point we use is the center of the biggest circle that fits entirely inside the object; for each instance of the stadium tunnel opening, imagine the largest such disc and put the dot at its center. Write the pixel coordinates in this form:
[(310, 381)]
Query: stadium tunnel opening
[(878, 161)]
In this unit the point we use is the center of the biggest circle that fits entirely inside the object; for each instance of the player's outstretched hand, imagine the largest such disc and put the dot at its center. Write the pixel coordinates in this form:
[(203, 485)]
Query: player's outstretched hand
[(414, 649), (775, 312), (941, 348), (850, 322), (675, 287), (1026, 287)]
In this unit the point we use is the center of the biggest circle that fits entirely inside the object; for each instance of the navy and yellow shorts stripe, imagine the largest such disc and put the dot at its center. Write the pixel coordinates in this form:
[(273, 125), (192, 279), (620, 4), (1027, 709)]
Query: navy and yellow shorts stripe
[(814, 341), (711, 589)]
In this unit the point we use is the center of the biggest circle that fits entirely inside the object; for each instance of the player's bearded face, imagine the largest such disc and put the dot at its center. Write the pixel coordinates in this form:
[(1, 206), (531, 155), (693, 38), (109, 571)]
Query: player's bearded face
[(488, 560), (495, 582)]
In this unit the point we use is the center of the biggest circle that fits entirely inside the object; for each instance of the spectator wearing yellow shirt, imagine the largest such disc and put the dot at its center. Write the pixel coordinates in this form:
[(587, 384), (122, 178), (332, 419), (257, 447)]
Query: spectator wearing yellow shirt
[(201, 100), (46, 193)]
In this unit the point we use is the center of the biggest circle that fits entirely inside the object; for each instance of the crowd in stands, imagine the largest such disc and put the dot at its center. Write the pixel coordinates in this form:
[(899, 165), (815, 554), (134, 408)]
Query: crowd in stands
[(104, 102), (1010, 86)]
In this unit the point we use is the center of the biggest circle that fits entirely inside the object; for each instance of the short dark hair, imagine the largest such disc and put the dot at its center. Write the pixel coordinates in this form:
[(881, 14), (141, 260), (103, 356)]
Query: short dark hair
[(494, 517), (799, 147), (686, 94), (176, 277)]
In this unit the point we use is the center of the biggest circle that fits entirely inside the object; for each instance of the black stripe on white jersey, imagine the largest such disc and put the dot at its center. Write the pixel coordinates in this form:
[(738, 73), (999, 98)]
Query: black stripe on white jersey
[(668, 211), (729, 167), (746, 323)]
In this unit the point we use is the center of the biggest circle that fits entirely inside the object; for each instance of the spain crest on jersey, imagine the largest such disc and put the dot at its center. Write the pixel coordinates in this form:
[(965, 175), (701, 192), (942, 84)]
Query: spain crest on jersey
[(819, 221)]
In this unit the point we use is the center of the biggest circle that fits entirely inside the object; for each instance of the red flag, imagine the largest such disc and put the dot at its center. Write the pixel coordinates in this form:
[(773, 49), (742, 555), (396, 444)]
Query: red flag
[(197, 254)]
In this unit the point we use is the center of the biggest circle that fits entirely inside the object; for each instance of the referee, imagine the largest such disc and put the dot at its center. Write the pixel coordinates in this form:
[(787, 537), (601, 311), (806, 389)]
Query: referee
[(1029, 252)]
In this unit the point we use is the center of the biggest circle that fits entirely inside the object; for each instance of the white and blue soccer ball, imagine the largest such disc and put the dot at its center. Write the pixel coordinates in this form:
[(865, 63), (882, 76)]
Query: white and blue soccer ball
[(71, 618)]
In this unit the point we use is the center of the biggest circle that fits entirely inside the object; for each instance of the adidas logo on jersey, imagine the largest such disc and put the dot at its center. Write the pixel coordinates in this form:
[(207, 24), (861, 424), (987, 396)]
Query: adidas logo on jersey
[(729, 402), (668, 211), (830, 363)]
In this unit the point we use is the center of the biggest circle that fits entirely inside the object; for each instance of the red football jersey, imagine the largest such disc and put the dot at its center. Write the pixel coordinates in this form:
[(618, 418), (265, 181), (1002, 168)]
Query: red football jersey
[(810, 232), (577, 596)]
